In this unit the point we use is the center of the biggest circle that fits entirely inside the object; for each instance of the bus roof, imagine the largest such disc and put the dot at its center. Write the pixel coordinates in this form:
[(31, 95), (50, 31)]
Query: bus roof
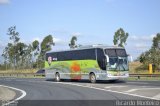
[(90, 47)]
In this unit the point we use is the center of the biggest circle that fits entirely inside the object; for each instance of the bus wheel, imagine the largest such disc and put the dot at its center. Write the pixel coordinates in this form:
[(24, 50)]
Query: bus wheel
[(92, 78), (113, 81), (57, 77)]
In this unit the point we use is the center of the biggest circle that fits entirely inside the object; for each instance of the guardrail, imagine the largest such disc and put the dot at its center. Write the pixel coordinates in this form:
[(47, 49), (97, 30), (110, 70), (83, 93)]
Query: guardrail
[(42, 75), (144, 75), (21, 74)]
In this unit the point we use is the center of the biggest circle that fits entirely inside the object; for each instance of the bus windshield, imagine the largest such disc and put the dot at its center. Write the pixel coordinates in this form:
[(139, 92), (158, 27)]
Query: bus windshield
[(116, 52), (117, 59), (118, 63)]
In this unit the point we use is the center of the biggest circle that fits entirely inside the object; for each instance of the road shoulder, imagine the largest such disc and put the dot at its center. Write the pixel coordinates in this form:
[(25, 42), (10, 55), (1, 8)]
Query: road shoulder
[(6, 94)]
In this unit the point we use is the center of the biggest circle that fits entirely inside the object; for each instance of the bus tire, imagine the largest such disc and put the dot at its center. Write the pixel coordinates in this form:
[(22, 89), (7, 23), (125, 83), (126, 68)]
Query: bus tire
[(57, 77), (113, 81), (92, 78)]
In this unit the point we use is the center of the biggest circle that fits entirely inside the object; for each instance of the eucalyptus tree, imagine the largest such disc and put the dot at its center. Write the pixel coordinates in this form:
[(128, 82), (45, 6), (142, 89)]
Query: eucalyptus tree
[(36, 52), (72, 43), (120, 37), (46, 45), (10, 52), (152, 56)]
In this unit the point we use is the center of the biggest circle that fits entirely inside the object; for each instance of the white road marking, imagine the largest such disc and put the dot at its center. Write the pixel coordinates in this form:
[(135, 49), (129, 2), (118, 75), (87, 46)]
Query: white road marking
[(131, 90), (22, 96), (108, 90), (148, 88), (90, 86), (115, 86), (157, 96), (137, 82)]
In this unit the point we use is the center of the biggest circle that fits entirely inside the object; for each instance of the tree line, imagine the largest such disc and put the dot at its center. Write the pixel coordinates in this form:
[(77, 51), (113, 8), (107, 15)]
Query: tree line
[(152, 56), (19, 55)]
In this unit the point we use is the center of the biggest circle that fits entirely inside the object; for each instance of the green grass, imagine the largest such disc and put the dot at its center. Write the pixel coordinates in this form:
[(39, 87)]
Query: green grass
[(137, 68), (28, 73), (19, 71)]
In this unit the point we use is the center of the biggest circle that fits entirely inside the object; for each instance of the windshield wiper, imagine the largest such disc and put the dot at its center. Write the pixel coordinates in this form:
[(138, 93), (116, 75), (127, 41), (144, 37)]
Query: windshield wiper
[(117, 64), (123, 67)]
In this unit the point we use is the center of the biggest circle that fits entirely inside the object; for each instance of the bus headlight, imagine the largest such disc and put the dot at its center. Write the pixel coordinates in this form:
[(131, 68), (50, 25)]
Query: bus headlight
[(97, 76), (109, 74)]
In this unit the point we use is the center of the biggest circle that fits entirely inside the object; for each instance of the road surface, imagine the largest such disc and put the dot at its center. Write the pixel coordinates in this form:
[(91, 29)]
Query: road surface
[(40, 92)]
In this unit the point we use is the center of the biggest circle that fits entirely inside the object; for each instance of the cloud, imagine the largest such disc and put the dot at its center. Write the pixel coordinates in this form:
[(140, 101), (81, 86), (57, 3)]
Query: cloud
[(37, 38), (138, 44), (142, 38), (59, 41), (76, 34), (2, 45), (141, 46), (4, 1), (61, 31)]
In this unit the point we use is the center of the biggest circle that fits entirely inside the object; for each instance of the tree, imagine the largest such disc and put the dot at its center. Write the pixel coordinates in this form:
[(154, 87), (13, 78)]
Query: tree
[(46, 46), (5, 55), (14, 37), (35, 50), (72, 43), (16, 54), (152, 56), (120, 37), (19, 55), (13, 34), (35, 45), (47, 43), (156, 41)]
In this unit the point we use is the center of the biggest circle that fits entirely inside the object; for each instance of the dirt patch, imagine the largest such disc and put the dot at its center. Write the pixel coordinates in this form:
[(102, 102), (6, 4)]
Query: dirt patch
[(6, 94)]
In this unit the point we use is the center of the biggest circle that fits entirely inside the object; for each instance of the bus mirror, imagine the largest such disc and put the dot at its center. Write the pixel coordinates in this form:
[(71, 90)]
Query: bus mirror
[(107, 58)]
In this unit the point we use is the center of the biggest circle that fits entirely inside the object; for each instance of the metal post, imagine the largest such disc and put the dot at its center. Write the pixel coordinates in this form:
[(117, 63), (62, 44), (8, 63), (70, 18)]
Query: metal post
[(150, 69)]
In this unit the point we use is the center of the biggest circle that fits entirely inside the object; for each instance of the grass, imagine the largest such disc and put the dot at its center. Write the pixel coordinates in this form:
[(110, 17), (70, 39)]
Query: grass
[(25, 73), (19, 71), (137, 68)]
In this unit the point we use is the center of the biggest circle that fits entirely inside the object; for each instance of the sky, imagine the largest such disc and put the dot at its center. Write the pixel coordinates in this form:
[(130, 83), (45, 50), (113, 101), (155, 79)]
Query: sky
[(92, 21)]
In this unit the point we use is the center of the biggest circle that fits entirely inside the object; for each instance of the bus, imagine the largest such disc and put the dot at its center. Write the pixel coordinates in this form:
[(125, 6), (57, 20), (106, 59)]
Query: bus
[(94, 62)]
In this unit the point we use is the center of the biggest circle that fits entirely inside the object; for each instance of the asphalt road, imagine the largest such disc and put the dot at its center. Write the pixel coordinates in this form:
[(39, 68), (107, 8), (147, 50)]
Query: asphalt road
[(40, 92)]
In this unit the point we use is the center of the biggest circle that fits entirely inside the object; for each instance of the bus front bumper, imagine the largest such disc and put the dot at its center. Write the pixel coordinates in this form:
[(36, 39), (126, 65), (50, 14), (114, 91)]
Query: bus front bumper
[(111, 77)]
